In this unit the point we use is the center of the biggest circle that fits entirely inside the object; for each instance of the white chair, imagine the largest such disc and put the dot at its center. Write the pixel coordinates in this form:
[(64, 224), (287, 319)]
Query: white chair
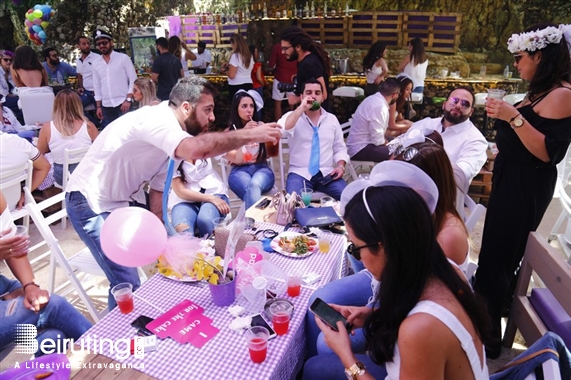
[(475, 212), (10, 185), (353, 164), (37, 107), (513, 98), (70, 157), (284, 149), (562, 191), (79, 268)]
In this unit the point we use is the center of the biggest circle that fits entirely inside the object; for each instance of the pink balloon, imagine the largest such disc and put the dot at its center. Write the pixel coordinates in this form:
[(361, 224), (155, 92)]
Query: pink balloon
[(133, 237), (28, 23)]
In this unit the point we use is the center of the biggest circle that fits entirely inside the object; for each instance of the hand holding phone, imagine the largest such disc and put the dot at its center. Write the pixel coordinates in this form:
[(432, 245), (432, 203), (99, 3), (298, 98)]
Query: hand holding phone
[(326, 180), (329, 315)]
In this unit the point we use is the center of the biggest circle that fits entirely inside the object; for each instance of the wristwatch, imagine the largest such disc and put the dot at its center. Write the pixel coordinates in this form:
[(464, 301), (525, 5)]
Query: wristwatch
[(130, 100), (516, 121), (355, 370)]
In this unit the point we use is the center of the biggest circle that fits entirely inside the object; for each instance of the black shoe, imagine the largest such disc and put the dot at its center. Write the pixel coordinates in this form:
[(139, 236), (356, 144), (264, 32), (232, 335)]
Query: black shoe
[(493, 350)]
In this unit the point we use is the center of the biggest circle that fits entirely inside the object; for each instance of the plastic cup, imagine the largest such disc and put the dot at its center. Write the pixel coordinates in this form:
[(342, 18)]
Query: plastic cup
[(327, 201), (306, 196), (496, 93), (219, 222), (273, 150), (257, 339), (294, 284), (281, 315), (123, 294), (325, 241), (21, 231)]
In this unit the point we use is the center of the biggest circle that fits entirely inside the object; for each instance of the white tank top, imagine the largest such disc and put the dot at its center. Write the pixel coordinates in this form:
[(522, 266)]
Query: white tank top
[(445, 316), (58, 143), (416, 73), (373, 73)]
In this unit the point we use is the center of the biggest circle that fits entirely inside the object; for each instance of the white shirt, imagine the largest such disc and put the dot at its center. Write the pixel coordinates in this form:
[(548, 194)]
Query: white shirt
[(130, 151), (114, 80), (373, 73), (205, 57), (59, 143), (197, 177), (15, 152), (332, 147), (243, 74), (370, 122), (416, 73), (85, 68), (464, 144)]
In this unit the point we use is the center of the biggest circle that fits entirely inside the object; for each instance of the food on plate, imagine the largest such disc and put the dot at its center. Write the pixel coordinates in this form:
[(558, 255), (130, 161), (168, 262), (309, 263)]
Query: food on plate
[(198, 268), (299, 244)]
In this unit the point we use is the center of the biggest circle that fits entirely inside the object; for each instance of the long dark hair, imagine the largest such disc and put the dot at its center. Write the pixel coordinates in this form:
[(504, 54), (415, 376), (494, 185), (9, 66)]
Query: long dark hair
[(375, 52), (433, 160), (406, 231), (554, 66), (402, 101), (175, 46), (236, 122), (241, 48), (25, 58), (297, 36), (417, 55)]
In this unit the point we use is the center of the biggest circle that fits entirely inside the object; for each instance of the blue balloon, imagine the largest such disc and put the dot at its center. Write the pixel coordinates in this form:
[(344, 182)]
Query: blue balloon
[(37, 28), (42, 35), (46, 17), (31, 30), (46, 9), (37, 6)]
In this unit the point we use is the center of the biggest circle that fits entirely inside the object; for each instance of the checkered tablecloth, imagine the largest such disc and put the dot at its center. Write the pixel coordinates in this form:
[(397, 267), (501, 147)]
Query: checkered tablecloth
[(226, 355)]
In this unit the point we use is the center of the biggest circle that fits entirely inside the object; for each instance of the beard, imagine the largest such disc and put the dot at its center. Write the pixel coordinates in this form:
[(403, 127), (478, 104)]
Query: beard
[(455, 119), (193, 126), (293, 56)]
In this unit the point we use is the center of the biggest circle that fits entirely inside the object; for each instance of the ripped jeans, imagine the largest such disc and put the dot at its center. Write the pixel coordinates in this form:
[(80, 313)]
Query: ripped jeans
[(57, 320)]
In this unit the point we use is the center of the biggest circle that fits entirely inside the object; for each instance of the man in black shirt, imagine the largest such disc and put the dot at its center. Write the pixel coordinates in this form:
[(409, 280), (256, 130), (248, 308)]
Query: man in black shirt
[(312, 61), (167, 69)]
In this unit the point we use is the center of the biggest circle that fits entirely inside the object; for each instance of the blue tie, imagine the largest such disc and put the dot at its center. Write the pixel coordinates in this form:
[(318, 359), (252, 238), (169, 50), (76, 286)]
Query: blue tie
[(314, 158)]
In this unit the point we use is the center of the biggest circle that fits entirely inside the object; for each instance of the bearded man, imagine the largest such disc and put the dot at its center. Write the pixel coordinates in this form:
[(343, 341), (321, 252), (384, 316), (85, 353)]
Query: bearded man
[(366, 141), (134, 150)]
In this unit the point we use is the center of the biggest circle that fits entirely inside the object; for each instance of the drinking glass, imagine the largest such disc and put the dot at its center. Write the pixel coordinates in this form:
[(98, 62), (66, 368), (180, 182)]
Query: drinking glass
[(325, 241), (306, 196), (123, 294), (257, 338), (281, 315)]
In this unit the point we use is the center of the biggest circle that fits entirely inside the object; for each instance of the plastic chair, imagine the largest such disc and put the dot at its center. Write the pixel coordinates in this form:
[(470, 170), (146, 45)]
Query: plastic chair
[(70, 157), (513, 98), (475, 212), (79, 268), (37, 107), (562, 191), (10, 185)]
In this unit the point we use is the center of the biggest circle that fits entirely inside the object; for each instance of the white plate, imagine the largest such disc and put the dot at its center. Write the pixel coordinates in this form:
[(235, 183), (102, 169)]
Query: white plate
[(185, 278), (275, 244)]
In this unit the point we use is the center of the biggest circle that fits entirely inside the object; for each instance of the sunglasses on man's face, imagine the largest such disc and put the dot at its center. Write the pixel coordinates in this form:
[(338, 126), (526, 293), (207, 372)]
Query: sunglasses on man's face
[(102, 43), (356, 251), (464, 103)]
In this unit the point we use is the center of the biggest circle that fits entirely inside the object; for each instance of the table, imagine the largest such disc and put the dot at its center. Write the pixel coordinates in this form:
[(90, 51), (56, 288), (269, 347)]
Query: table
[(226, 355)]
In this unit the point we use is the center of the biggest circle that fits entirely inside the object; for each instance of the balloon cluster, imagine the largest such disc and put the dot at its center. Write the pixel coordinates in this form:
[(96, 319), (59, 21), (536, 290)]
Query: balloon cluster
[(37, 20)]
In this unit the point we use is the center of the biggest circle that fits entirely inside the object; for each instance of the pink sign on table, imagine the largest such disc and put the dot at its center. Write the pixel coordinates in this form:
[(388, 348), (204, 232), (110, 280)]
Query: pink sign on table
[(185, 323)]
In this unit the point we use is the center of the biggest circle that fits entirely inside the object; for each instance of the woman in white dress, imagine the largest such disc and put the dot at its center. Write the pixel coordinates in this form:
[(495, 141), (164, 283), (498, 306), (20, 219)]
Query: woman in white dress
[(415, 63), (375, 67)]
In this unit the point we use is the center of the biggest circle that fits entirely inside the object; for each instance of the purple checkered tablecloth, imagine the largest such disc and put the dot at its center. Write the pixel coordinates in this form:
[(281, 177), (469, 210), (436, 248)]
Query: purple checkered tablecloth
[(226, 355)]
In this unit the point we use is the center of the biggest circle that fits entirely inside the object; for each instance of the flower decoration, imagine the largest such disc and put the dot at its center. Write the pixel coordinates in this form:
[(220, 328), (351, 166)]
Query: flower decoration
[(536, 40)]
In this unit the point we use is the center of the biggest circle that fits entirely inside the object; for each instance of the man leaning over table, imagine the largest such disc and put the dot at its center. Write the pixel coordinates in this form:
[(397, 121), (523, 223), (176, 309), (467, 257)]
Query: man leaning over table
[(113, 79), (134, 150), (316, 145)]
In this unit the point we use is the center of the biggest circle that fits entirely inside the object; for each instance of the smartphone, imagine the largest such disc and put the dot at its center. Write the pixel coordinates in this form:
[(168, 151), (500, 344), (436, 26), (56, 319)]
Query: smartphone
[(140, 324), (326, 180), (258, 320), (328, 315)]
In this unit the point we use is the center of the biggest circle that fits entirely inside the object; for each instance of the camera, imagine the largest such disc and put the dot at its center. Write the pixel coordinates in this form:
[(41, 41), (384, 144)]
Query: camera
[(287, 87)]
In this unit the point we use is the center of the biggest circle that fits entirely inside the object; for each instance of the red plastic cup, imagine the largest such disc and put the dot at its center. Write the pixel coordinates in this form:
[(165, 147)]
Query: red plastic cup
[(257, 338), (123, 294), (281, 315), (294, 285)]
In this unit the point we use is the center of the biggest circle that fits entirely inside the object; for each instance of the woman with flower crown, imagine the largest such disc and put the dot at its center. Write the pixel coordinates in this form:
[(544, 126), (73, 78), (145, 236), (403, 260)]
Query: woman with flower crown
[(532, 138)]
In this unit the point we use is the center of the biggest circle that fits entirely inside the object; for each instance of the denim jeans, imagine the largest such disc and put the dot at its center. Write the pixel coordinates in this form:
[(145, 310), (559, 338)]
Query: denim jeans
[(197, 215), (296, 182), (110, 114), (250, 181), (354, 290), (521, 371), (58, 172), (57, 317), (329, 367), (88, 225)]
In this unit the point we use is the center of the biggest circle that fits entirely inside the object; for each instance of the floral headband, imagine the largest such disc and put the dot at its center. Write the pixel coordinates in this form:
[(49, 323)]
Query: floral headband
[(539, 39)]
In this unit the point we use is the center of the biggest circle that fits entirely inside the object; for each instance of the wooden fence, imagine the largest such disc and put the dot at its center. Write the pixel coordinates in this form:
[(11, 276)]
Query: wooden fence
[(440, 32)]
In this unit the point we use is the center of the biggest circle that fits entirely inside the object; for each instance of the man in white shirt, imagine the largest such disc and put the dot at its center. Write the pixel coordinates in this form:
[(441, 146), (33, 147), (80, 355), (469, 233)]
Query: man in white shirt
[(463, 142), (203, 57), (84, 68), (113, 79), (317, 151), (134, 150), (366, 141)]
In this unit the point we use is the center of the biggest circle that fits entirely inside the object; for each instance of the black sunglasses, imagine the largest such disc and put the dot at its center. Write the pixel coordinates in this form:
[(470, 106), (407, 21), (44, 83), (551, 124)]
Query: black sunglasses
[(518, 57), (464, 103), (102, 43), (356, 251)]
